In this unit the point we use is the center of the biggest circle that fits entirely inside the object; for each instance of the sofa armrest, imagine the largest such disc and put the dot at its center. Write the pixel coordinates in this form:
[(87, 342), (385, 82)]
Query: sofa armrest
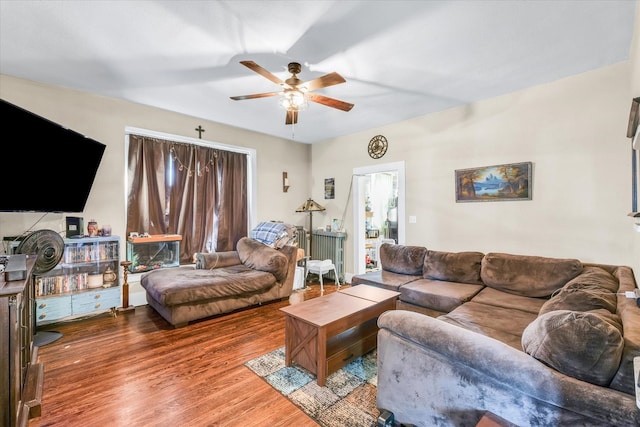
[(473, 373), (208, 261)]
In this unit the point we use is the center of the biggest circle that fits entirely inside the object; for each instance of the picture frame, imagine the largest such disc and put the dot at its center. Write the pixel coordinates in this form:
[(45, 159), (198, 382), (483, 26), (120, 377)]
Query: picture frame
[(497, 183), (329, 188)]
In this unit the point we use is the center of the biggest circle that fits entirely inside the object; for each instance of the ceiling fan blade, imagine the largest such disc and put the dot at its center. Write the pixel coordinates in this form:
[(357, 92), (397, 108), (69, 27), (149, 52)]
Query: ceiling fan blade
[(292, 117), (255, 95), (263, 72), (329, 102), (324, 81)]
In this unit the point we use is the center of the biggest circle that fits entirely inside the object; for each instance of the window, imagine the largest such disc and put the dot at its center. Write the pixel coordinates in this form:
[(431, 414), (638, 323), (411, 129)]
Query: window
[(197, 189)]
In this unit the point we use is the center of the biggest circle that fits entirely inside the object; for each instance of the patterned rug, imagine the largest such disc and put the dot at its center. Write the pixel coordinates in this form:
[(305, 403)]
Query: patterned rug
[(348, 398)]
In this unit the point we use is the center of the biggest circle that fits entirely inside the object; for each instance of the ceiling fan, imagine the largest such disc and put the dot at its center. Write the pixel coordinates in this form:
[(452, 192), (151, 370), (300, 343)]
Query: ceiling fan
[(296, 93)]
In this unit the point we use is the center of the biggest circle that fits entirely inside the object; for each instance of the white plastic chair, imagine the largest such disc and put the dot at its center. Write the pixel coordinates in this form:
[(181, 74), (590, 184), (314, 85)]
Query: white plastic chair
[(322, 267)]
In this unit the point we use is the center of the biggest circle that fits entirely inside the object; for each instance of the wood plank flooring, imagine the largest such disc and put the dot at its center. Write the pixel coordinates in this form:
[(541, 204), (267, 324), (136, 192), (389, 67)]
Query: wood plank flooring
[(136, 370)]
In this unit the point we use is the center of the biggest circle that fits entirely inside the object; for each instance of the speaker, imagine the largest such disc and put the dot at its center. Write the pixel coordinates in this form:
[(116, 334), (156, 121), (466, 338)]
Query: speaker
[(75, 226)]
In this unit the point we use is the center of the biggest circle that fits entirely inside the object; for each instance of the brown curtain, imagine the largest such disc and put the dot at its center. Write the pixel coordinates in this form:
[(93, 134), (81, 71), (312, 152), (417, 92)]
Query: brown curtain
[(148, 158), (207, 184), (232, 203)]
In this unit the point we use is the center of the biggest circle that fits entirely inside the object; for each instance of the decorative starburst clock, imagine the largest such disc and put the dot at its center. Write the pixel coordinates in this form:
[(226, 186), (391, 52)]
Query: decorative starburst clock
[(378, 146)]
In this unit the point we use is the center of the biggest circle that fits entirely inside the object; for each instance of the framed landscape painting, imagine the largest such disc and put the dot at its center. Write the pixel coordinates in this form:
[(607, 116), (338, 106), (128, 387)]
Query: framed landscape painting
[(511, 181)]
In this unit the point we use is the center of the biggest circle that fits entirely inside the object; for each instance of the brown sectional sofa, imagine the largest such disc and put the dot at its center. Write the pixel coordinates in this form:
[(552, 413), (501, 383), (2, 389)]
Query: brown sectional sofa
[(222, 282), (537, 341)]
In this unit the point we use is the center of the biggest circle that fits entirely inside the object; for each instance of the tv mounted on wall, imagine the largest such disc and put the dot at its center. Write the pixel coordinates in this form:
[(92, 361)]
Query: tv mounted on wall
[(46, 167)]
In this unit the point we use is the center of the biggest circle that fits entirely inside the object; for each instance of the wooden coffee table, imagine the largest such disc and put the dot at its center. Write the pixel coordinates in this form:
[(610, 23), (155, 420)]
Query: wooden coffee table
[(324, 334)]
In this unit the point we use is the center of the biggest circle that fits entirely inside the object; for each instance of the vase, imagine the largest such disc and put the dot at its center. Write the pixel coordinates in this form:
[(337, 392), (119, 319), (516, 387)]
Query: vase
[(95, 281), (109, 278), (92, 228)]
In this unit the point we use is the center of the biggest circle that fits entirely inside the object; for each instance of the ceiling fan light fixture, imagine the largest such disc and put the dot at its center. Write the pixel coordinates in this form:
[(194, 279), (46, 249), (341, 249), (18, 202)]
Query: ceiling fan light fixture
[(296, 94), (293, 99)]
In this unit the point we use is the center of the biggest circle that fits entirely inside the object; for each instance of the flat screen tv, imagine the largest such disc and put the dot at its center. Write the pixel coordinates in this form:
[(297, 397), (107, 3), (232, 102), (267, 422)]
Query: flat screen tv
[(45, 167)]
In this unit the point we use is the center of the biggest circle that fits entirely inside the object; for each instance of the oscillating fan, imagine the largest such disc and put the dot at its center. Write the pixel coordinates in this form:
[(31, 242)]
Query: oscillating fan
[(48, 248)]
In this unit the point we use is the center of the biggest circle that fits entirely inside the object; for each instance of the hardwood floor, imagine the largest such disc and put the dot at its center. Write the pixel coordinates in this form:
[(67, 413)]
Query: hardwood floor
[(136, 370)]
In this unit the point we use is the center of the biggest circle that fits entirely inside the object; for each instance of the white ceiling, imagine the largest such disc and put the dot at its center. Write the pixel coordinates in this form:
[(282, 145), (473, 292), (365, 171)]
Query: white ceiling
[(401, 59)]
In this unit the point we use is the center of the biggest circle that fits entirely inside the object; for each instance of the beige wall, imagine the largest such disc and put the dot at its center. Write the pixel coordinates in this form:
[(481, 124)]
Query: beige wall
[(574, 132), (105, 120)]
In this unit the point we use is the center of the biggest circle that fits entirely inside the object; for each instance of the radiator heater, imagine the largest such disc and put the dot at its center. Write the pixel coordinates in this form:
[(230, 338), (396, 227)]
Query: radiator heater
[(330, 245), (303, 239)]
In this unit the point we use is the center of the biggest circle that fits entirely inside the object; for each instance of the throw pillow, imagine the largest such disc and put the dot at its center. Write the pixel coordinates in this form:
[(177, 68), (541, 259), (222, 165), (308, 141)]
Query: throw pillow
[(212, 260), (259, 256), (580, 300), (594, 278), (463, 267), (592, 289), (587, 346)]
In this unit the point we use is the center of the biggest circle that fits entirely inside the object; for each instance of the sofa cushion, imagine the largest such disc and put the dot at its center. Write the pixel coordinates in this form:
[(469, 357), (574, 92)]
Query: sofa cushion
[(187, 285), (490, 296), (530, 276), (501, 323), (584, 345), (402, 259), (463, 267), (384, 279), (259, 256), (437, 294)]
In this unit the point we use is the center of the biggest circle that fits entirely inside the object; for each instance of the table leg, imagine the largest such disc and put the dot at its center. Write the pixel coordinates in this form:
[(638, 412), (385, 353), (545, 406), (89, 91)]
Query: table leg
[(288, 340), (321, 356)]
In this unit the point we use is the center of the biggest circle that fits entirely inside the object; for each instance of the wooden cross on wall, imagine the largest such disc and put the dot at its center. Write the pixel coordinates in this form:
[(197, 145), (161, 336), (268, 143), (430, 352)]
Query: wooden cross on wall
[(200, 130)]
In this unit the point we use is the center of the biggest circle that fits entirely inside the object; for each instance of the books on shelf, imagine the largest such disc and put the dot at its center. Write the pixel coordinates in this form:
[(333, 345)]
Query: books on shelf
[(51, 285)]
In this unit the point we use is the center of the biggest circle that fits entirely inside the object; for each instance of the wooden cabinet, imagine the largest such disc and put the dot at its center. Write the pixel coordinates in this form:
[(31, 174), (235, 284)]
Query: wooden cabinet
[(54, 308), (21, 377), (85, 281)]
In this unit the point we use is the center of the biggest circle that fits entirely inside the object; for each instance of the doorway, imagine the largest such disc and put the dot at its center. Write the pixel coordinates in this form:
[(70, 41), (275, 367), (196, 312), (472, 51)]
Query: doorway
[(379, 211)]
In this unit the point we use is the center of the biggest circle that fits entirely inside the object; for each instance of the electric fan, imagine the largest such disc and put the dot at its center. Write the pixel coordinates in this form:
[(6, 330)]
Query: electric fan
[(48, 247)]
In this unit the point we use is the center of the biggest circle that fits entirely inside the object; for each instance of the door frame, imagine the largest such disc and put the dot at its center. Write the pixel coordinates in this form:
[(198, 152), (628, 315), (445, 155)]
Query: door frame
[(358, 203)]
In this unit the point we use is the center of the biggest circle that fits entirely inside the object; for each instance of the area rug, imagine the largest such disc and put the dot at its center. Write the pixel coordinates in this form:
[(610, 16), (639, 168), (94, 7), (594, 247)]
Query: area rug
[(348, 398)]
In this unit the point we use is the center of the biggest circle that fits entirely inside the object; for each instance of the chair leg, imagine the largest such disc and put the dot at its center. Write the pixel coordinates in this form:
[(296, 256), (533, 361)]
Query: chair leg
[(321, 284), (335, 271)]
